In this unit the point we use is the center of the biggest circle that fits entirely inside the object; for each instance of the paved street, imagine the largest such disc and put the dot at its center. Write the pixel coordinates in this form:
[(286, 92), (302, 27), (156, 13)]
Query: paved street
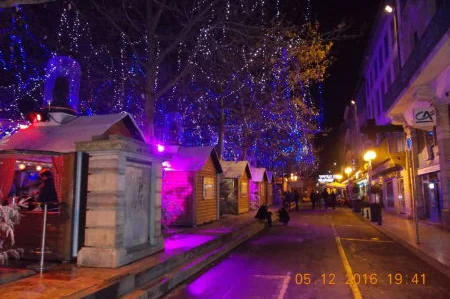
[(310, 257)]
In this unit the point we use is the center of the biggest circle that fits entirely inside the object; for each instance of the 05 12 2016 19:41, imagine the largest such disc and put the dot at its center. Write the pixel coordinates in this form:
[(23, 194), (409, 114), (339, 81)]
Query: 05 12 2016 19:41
[(396, 278)]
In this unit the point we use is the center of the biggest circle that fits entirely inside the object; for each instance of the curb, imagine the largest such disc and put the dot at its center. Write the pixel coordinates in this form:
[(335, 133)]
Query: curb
[(424, 256)]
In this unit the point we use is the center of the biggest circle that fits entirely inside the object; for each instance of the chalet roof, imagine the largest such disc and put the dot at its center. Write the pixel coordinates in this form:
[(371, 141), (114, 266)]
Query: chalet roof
[(193, 159), (235, 169), (61, 138), (270, 176), (258, 174)]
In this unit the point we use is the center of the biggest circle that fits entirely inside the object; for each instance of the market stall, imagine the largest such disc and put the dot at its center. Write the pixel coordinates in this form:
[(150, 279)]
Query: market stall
[(234, 187), (51, 145)]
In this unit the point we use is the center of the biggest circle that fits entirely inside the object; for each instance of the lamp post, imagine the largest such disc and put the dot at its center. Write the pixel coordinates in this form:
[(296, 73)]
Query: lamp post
[(392, 9), (368, 157), (375, 207), (356, 121)]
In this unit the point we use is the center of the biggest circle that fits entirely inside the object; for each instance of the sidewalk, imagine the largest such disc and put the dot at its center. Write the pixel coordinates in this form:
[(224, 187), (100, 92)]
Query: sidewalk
[(186, 252), (434, 247)]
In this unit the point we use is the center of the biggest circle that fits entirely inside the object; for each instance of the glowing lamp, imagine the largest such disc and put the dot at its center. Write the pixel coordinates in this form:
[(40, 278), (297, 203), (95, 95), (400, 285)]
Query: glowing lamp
[(38, 117), (22, 166), (39, 168), (431, 186), (388, 8), (160, 148), (23, 127), (353, 102), (166, 164), (338, 177), (369, 156), (348, 170)]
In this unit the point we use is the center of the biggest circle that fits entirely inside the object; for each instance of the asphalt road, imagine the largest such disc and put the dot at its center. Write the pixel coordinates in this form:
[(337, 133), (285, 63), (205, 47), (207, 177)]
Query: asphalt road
[(316, 256)]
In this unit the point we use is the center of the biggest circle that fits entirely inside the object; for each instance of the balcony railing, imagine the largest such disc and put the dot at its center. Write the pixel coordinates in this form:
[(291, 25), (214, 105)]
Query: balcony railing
[(436, 29)]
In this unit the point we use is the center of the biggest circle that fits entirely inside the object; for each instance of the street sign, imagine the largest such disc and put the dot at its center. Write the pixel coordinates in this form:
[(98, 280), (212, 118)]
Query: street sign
[(424, 117)]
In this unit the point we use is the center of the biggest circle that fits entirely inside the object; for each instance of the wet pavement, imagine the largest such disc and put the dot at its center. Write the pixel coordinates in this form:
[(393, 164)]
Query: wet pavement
[(68, 280), (313, 257)]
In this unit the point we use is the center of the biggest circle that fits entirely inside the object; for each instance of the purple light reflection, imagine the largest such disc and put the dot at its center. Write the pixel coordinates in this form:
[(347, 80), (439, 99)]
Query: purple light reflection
[(185, 241)]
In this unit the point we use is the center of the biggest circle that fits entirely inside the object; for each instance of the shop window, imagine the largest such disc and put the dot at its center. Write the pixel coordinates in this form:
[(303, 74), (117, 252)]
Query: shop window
[(208, 188)]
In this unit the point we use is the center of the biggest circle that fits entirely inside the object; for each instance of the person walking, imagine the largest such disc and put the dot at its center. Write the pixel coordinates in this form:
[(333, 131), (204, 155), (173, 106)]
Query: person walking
[(325, 197), (313, 197), (333, 200), (296, 197)]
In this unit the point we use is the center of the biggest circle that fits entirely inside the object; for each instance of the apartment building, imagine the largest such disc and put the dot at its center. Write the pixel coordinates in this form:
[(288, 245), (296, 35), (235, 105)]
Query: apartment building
[(402, 103)]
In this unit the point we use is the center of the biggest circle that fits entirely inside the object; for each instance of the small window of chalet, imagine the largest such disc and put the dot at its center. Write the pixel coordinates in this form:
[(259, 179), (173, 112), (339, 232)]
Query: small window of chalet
[(244, 188), (208, 188)]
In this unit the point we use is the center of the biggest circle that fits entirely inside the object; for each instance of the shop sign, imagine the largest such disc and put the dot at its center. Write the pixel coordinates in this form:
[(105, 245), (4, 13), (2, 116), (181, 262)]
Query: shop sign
[(424, 117), (326, 178)]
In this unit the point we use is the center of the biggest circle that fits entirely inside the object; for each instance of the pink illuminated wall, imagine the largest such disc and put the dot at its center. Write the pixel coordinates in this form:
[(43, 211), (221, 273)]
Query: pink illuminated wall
[(177, 196), (254, 195)]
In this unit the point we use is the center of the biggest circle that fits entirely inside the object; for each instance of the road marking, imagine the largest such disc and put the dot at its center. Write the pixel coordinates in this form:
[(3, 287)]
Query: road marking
[(284, 284), (348, 270), (367, 240)]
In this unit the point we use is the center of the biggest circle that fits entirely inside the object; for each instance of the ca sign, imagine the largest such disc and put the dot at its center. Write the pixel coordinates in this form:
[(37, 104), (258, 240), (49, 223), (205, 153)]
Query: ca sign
[(424, 117)]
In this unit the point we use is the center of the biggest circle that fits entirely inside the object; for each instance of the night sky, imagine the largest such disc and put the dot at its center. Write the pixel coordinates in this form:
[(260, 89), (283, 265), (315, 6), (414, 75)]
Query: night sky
[(340, 86)]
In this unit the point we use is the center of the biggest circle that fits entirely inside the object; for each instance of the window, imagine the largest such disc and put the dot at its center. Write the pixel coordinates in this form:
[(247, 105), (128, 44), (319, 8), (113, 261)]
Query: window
[(386, 46), (389, 77), (380, 59), (244, 188), (392, 32), (208, 188)]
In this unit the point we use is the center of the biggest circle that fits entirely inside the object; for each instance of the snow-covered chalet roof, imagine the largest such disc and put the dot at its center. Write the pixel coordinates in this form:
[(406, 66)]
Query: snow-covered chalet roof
[(258, 174), (235, 169), (62, 137), (193, 159)]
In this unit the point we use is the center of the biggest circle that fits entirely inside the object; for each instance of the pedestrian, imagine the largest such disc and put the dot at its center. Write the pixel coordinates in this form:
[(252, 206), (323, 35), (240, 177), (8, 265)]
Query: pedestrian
[(325, 196), (333, 200), (47, 191), (296, 197), (283, 215)]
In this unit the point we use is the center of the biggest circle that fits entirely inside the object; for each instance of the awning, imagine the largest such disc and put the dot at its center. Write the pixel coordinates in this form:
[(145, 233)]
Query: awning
[(336, 185)]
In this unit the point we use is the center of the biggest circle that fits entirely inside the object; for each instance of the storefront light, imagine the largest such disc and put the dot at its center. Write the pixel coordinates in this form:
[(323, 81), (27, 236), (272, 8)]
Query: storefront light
[(39, 168), (22, 166)]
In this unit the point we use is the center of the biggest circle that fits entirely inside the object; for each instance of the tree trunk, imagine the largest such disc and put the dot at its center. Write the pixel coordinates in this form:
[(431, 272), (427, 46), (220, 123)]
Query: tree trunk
[(149, 89), (149, 108), (221, 131)]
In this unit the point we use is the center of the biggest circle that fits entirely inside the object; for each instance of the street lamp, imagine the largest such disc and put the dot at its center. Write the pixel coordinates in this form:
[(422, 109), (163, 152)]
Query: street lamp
[(368, 157), (347, 171), (389, 9)]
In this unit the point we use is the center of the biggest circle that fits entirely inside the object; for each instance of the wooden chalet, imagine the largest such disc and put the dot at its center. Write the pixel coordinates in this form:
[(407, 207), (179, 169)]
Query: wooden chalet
[(258, 187), (234, 187), (52, 145), (190, 187), (270, 188)]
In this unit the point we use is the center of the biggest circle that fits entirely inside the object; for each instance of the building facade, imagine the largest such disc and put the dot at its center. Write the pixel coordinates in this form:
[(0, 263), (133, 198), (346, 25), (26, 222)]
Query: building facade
[(402, 103)]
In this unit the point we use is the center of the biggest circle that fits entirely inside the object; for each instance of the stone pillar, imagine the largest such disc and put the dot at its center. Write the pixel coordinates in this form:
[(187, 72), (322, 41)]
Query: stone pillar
[(123, 217), (443, 141)]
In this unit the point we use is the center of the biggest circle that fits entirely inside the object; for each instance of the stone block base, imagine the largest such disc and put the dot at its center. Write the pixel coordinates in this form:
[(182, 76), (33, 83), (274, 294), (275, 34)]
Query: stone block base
[(115, 257)]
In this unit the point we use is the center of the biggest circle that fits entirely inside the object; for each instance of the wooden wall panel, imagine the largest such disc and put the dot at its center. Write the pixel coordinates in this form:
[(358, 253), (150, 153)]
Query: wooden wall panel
[(206, 209), (244, 203)]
